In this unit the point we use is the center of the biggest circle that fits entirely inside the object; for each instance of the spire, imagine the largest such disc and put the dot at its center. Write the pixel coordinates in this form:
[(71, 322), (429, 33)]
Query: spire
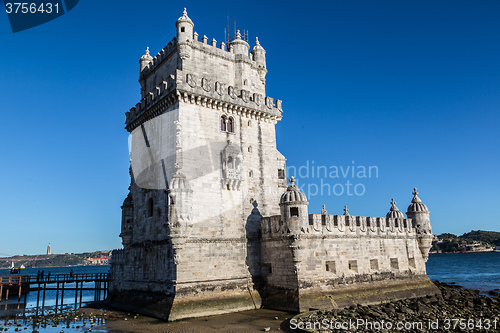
[(146, 55), (238, 35), (323, 211), (394, 212), (346, 213), (185, 17), (415, 199), (291, 180), (393, 207)]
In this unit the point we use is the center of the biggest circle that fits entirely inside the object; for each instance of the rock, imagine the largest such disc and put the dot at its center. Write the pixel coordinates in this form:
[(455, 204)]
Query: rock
[(266, 329)]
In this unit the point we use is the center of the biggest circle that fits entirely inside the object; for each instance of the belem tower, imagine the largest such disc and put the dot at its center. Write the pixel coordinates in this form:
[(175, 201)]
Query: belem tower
[(210, 224)]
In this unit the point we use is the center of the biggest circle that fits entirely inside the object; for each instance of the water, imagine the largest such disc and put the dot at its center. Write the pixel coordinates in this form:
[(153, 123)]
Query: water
[(25, 321), (471, 270), (50, 295), (479, 271)]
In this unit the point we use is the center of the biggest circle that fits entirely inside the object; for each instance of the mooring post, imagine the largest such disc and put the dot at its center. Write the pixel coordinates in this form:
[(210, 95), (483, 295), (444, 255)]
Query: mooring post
[(1, 289)]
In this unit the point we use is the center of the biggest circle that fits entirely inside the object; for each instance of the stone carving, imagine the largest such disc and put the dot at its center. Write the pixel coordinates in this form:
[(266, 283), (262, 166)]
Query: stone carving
[(232, 92), (278, 105), (191, 80), (245, 95), (269, 102), (219, 87), (206, 84), (257, 98)]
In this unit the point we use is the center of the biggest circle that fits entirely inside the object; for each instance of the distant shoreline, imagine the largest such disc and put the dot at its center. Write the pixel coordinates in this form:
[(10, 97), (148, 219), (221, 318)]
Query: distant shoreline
[(463, 252)]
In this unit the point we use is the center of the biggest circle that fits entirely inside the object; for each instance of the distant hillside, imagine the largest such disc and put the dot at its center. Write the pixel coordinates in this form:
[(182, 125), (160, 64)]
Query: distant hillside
[(56, 260), (474, 241)]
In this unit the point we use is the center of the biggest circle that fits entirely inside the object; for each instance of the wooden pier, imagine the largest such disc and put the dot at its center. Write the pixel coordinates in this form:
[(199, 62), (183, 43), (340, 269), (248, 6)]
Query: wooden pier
[(61, 283), (14, 285)]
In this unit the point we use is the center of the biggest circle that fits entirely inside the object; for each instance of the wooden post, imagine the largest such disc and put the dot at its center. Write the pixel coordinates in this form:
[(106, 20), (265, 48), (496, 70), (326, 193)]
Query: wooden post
[(62, 295), (38, 296), (20, 286), (76, 293), (43, 298), (6, 297), (57, 294), (81, 292)]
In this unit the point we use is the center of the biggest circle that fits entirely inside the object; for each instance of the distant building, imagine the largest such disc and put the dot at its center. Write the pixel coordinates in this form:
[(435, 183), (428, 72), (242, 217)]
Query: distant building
[(101, 260), (49, 250)]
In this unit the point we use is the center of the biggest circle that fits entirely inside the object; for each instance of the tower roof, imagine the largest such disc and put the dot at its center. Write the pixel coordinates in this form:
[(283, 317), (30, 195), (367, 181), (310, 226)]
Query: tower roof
[(146, 55), (416, 204), (293, 194), (184, 18), (394, 213), (257, 46)]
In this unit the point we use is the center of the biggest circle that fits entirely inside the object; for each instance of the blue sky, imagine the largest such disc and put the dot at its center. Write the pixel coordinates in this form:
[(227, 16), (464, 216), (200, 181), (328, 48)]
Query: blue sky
[(411, 87)]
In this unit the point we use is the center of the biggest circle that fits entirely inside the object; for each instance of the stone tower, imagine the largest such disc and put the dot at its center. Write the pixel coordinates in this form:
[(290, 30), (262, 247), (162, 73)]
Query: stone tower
[(204, 168), (419, 214)]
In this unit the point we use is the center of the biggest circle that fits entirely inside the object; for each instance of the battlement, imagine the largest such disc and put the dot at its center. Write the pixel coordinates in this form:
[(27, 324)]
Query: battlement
[(222, 51), (341, 225), (204, 90), (165, 53)]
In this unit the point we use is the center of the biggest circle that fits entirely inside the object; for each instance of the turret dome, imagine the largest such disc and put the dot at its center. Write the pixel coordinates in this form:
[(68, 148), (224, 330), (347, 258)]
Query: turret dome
[(147, 56), (257, 47), (394, 213), (293, 194), (179, 182), (184, 18), (416, 204)]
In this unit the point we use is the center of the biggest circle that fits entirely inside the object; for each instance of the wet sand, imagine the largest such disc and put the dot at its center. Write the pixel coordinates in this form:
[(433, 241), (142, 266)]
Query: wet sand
[(246, 321)]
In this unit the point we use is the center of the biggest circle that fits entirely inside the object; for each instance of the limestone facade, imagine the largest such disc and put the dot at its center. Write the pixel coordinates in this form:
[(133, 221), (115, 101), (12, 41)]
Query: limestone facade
[(210, 225)]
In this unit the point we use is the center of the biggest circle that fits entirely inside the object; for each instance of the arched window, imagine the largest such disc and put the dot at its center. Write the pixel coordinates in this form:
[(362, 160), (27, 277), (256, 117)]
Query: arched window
[(230, 125), (230, 162), (250, 149), (237, 163), (223, 123), (149, 210)]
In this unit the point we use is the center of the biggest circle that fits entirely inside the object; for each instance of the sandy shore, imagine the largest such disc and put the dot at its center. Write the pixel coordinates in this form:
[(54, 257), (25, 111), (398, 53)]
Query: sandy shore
[(246, 321)]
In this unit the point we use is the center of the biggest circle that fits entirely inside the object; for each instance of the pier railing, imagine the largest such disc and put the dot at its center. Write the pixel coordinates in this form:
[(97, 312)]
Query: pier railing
[(60, 283)]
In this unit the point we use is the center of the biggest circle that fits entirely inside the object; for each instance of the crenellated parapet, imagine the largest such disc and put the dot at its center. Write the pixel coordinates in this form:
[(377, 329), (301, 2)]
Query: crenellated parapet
[(206, 91), (340, 226), (165, 53)]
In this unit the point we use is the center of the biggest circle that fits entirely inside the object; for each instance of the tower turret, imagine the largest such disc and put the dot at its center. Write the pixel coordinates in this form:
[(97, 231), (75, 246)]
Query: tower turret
[(184, 28), (259, 56), (394, 213), (419, 214), (238, 45), (127, 220), (145, 60), (293, 204)]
